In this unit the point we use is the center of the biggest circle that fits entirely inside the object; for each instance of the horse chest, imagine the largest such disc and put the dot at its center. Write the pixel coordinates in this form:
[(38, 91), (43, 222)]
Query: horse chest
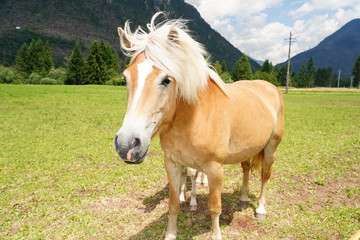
[(186, 159), (185, 151)]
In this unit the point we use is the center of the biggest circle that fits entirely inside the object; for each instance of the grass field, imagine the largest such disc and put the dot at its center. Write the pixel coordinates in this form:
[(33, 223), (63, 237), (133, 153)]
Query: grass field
[(61, 179)]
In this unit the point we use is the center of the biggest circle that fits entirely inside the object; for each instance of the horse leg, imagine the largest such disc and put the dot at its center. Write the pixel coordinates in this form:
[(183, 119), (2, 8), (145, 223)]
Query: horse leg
[(202, 179), (265, 175), (174, 172), (205, 180), (183, 185), (215, 176), (244, 198), (193, 176), (268, 160), (198, 178)]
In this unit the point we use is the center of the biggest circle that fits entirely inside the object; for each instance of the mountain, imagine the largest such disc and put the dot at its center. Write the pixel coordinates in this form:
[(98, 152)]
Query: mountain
[(64, 22), (339, 50)]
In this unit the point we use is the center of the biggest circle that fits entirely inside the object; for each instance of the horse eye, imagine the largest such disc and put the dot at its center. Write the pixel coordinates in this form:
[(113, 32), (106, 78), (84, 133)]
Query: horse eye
[(165, 82)]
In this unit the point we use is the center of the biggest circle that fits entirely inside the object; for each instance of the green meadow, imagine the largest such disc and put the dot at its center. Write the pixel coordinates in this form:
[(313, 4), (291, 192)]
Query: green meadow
[(60, 177)]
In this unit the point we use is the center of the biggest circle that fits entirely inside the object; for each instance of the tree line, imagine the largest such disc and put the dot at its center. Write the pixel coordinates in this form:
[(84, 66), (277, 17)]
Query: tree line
[(100, 66), (307, 77), (34, 64)]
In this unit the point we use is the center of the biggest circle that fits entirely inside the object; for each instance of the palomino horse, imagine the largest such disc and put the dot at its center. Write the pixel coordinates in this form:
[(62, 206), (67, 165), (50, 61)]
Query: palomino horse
[(203, 123)]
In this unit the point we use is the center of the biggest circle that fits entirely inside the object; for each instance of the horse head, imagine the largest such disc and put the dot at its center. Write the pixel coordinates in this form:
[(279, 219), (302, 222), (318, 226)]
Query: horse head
[(167, 64)]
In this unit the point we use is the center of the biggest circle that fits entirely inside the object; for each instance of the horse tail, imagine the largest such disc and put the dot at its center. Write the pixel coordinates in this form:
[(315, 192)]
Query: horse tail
[(257, 162)]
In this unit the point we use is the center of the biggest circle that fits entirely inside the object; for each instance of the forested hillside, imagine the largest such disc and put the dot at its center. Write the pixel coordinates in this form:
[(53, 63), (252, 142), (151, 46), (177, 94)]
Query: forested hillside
[(64, 22)]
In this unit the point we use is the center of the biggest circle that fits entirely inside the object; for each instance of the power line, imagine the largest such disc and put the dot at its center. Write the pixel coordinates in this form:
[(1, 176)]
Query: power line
[(290, 39)]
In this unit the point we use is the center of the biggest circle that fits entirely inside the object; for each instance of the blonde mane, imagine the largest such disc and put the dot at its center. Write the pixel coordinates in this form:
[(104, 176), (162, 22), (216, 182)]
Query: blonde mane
[(170, 47)]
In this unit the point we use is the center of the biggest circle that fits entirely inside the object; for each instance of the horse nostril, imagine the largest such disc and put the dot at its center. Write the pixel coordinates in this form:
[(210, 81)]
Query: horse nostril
[(116, 142), (136, 143)]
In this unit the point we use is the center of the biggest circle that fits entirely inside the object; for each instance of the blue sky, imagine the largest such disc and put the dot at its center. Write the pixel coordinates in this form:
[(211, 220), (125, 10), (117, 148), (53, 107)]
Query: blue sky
[(259, 27)]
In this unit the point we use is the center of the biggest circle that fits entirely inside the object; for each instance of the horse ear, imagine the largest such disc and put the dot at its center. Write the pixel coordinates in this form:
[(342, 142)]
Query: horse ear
[(124, 41), (173, 35)]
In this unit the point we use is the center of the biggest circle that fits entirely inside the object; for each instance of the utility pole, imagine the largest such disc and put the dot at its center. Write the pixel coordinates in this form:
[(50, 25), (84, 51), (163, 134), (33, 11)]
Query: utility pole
[(290, 39), (339, 72)]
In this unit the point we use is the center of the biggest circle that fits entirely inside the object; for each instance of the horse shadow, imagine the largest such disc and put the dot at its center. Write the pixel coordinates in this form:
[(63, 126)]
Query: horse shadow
[(152, 201), (190, 223)]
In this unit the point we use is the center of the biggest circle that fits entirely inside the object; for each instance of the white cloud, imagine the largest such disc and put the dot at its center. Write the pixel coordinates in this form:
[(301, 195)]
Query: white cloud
[(267, 42), (211, 10), (248, 25), (317, 5), (344, 15)]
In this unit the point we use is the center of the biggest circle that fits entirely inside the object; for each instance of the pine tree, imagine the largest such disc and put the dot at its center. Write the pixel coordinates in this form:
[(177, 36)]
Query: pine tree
[(35, 57), (224, 75), (328, 76), (116, 62), (267, 76), (242, 69), (281, 74), (22, 60), (356, 73), (110, 57), (40, 57), (48, 60), (323, 77), (106, 54), (267, 66), (97, 72), (310, 73), (301, 78), (218, 67), (267, 73), (224, 66), (75, 72)]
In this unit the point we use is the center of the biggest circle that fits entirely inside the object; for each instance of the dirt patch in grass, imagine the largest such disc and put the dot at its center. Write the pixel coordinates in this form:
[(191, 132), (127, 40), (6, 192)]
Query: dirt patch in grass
[(315, 192), (317, 195), (115, 204), (245, 224)]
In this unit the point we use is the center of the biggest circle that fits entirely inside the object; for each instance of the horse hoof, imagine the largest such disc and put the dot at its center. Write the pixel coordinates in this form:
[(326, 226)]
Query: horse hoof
[(244, 204), (215, 237), (193, 208), (170, 237), (260, 216)]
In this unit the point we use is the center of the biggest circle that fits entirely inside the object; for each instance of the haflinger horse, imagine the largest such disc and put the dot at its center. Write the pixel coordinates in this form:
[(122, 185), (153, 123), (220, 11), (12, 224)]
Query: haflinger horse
[(203, 123)]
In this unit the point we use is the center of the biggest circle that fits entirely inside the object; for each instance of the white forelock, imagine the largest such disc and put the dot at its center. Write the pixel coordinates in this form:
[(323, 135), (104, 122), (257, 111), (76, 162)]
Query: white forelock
[(169, 46)]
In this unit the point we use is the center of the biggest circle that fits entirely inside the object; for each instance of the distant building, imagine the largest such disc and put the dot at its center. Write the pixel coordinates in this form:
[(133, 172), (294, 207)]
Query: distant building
[(17, 27)]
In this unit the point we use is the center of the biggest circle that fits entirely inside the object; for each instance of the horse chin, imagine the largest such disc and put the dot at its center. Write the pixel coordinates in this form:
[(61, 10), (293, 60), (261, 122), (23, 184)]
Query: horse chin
[(138, 160)]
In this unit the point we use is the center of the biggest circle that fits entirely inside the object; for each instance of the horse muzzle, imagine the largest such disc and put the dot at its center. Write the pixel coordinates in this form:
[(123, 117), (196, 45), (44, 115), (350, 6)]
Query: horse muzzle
[(131, 150)]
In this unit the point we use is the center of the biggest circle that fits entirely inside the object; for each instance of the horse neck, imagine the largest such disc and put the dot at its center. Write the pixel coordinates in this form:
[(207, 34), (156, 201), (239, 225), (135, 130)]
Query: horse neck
[(189, 118), (207, 102)]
